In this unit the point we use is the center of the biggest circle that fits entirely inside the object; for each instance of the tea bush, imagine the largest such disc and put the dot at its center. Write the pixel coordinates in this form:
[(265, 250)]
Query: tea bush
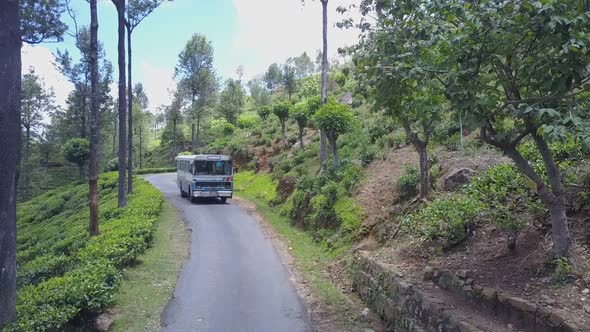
[(407, 183), (62, 271), (446, 221), (154, 170)]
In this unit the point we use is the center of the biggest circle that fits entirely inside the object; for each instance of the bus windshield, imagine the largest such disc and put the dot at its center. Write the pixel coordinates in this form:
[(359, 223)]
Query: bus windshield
[(207, 167)]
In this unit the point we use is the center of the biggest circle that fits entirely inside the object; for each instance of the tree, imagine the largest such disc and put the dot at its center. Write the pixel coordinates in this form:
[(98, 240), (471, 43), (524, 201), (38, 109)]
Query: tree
[(300, 113), (137, 11), (273, 77), (303, 66), (281, 110), (10, 87), (334, 119), (264, 111), (174, 116), (94, 122), (40, 20), (77, 151), (35, 102), (260, 96), (140, 104), (231, 101), (197, 80), (11, 35), (122, 192), (289, 80)]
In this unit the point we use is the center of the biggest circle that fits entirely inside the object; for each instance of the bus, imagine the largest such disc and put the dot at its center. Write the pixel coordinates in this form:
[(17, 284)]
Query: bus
[(200, 176)]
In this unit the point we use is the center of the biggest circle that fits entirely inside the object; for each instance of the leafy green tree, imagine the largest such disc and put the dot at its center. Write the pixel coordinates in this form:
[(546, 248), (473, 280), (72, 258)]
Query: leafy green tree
[(303, 66), (334, 119), (260, 95), (137, 11), (174, 117), (76, 151), (197, 80), (140, 104), (281, 110), (231, 101), (36, 101), (264, 111), (300, 113), (273, 77), (40, 20), (289, 80), (309, 88)]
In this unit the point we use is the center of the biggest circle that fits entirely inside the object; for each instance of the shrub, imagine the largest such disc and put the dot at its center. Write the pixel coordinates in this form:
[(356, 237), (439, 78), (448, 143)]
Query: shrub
[(264, 112), (407, 183), (62, 271), (246, 122), (446, 221), (154, 170), (228, 129)]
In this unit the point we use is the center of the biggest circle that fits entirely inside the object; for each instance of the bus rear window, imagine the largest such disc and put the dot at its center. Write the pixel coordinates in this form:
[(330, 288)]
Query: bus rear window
[(202, 167)]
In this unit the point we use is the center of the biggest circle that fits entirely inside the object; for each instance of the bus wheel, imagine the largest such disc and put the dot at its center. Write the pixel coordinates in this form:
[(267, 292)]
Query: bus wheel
[(223, 200), (192, 198), (182, 192)]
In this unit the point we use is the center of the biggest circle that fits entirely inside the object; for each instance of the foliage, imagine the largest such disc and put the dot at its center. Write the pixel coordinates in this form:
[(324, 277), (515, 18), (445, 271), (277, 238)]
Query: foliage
[(300, 113), (228, 128), (77, 150), (40, 20), (281, 110), (264, 112), (154, 170), (254, 185), (247, 121), (231, 101), (407, 183), (333, 118), (64, 271), (446, 221)]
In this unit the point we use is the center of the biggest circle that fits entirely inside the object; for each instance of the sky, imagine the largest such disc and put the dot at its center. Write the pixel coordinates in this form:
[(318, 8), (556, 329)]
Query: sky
[(251, 33)]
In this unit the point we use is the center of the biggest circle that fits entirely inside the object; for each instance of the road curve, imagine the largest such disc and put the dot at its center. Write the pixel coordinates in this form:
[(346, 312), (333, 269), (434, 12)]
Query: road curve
[(234, 280)]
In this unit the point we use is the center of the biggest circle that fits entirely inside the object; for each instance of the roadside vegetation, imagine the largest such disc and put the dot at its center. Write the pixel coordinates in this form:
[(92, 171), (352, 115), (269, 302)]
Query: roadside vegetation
[(65, 276)]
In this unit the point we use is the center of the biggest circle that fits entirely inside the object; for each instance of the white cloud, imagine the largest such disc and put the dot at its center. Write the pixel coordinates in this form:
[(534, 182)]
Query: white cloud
[(43, 62), (158, 83), (274, 30)]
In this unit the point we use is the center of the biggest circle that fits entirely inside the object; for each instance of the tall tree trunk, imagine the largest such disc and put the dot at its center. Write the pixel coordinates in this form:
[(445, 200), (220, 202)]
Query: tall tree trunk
[(301, 138), (198, 138), (129, 113), (421, 147), (335, 155), (193, 138), (173, 139), (94, 122), (553, 199), (10, 130), (323, 152), (27, 168), (283, 137), (140, 147), (114, 150), (83, 112), (122, 192), (424, 170)]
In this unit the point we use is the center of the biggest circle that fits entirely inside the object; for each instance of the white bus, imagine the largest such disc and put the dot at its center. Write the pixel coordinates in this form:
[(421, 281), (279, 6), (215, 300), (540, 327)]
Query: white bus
[(201, 176)]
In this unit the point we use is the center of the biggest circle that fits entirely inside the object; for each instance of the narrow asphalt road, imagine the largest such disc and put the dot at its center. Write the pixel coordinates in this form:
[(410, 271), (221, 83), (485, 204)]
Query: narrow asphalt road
[(234, 280)]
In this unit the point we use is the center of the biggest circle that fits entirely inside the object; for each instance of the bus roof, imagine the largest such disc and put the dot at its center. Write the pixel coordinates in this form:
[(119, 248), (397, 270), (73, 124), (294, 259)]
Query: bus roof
[(203, 157)]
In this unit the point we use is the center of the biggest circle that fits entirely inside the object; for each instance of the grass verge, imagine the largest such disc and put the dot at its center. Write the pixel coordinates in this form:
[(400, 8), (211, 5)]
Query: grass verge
[(147, 286)]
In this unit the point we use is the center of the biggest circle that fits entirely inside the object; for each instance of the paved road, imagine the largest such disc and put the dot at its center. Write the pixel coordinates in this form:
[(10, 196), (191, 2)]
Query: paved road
[(234, 280)]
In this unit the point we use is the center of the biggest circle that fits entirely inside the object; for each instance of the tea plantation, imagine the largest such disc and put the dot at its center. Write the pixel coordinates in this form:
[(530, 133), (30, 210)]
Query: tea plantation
[(63, 273)]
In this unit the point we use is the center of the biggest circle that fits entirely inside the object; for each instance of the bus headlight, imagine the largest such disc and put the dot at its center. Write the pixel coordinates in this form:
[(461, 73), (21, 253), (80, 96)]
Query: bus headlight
[(228, 185)]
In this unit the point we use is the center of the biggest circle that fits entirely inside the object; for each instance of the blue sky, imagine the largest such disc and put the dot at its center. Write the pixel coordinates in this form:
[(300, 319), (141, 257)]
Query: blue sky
[(252, 33)]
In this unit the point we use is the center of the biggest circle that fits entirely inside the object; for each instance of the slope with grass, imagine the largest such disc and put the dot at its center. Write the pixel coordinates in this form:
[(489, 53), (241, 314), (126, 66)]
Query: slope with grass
[(64, 275)]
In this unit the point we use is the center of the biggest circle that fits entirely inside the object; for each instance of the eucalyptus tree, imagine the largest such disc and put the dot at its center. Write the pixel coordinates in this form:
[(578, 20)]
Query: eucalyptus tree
[(94, 122), (273, 77), (260, 96), (36, 101), (120, 5), (140, 104), (137, 11), (198, 80), (303, 66), (10, 86), (174, 116), (231, 101), (289, 81), (31, 28)]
